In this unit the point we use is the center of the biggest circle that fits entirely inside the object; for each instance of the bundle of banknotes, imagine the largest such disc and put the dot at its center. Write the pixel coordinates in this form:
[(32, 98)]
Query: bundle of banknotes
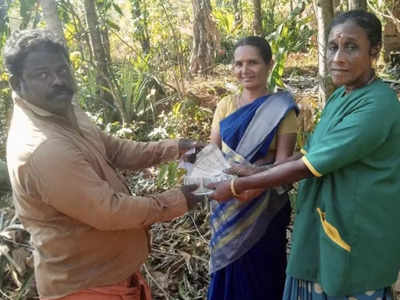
[(208, 168)]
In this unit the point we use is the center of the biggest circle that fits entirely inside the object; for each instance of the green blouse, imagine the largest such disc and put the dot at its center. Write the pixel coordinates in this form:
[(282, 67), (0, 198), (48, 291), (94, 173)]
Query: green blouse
[(347, 229)]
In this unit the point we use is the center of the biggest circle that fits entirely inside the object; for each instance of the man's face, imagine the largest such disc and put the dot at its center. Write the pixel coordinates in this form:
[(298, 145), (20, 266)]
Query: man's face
[(46, 81)]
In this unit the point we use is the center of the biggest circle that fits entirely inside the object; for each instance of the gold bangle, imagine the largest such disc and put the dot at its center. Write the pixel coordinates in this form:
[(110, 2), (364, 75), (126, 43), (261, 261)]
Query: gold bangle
[(233, 188)]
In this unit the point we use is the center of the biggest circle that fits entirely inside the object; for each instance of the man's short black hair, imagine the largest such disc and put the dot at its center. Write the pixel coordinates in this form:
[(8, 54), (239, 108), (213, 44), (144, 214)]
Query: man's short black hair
[(20, 43)]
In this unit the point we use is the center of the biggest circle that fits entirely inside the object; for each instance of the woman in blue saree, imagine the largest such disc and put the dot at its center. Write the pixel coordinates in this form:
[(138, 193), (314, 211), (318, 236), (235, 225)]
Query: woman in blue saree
[(248, 244)]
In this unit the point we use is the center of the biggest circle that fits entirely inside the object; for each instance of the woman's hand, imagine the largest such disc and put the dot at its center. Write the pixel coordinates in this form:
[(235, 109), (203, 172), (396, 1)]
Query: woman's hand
[(242, 170), (222, 191), (249, 195)]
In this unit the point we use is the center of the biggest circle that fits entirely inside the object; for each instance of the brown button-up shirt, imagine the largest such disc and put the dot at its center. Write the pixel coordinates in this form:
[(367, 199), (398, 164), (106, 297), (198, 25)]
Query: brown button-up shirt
[(86, 229)]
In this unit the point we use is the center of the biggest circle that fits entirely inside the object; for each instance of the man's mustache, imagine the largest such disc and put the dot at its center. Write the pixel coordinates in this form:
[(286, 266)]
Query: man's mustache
[(62, 90)]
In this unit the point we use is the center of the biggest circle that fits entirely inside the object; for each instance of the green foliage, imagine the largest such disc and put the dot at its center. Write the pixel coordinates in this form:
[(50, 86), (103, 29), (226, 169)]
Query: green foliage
[(228, 29), (140, 15), (134, 131), (4, 21), (87, 89), (168, 175), (292, 35), (25, 10), (4, 179), (5, 112), (104, 8), (136, 94), (278, 41), (185, 119)]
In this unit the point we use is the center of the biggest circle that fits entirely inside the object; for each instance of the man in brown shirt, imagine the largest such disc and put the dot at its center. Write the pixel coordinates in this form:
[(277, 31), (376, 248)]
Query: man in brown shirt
[(88, 232)]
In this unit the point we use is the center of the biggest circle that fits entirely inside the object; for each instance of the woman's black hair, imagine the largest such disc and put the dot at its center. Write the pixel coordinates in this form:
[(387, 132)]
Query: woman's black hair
[(367, 21), (258, 42)]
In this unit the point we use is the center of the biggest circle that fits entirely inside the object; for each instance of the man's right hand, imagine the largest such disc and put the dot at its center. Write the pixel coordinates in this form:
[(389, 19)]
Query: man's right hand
[(176, 202), (191, 199), (186, 145)]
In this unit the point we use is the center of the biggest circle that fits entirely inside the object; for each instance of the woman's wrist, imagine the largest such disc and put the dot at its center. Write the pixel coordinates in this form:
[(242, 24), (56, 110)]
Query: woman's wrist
[(237, 189), (233, 187)]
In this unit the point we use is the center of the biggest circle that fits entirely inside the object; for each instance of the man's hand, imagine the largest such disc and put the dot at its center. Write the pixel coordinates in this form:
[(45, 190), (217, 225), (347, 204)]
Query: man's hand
[(191, 199), (222, 191), (186, 145)]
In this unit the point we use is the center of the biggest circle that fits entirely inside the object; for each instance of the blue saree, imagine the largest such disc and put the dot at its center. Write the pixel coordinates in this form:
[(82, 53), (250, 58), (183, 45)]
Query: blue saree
[(248, 242)]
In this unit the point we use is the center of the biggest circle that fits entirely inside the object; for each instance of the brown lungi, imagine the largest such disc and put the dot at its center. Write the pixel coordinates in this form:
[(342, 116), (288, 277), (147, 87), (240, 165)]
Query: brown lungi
[(134, 288)]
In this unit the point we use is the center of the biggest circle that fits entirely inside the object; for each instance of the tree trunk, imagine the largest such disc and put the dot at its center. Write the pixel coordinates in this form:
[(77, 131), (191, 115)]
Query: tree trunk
[(336, 6), (50, 16), (324, 12), (101, 59), (206, 40), (357, 4), (257, 21), (391, 32)]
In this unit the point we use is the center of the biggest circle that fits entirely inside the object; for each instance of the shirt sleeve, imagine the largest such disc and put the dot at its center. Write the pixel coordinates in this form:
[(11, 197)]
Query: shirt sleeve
[(126, 154), (358, 134), (288, 124), (224, 107), (67, 181)]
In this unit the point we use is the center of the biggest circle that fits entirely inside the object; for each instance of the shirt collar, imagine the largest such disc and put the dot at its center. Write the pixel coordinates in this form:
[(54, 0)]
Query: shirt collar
[(35, 109)]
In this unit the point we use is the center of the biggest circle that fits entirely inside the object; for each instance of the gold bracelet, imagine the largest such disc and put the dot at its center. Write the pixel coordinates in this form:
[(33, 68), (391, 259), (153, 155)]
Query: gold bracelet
[(233, 188)]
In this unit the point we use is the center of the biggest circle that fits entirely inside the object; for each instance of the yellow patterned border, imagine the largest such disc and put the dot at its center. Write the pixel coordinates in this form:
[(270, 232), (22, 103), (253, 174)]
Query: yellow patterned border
[(311, 167), (232, 154), (332, 232), (302, 151), (245, 222)]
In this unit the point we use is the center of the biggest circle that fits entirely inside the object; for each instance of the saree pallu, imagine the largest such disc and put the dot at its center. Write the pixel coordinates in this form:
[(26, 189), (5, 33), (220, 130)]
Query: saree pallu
[(238, 227)]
